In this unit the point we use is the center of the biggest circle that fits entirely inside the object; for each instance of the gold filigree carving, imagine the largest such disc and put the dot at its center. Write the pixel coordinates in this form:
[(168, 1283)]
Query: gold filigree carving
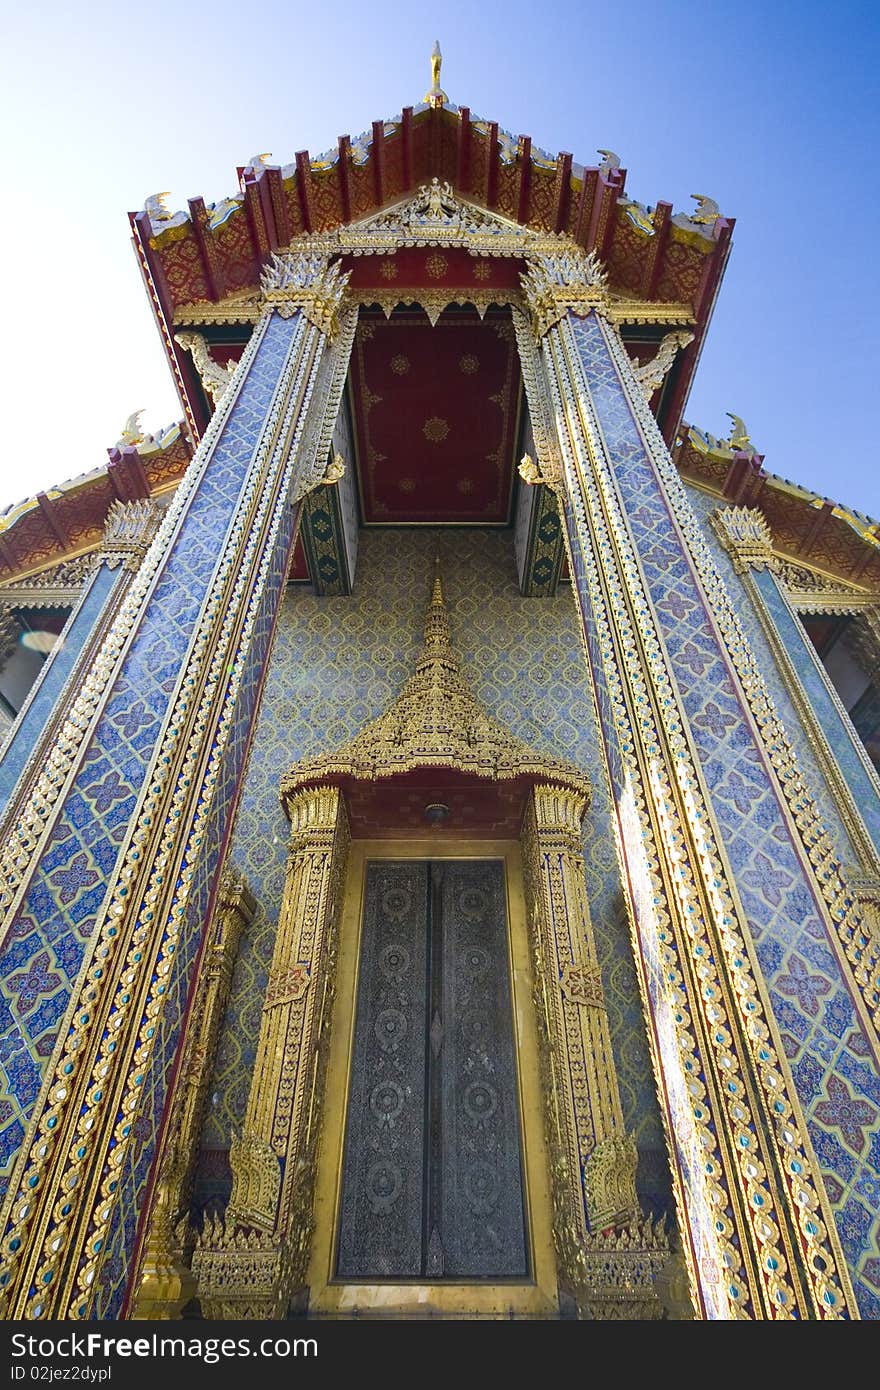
[(435, 95), (623, 310), (256, 1181), (214, 377), (610, 1181), (234, 309), (529, 471), (52, 587), (593, 1160), (129, 531), (436, 216), (306, 282), (745, 535), (436, 721), (166, 1281), (285, 1101), (569, 280), (10, 633), (241, 1273), (620, 1270), (549, 464), (317, 441), (434, 301), (652, 374)]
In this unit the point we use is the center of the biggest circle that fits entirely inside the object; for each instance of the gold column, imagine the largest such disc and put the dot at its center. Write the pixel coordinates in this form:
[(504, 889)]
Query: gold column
[(593, 1159), (253, 1263), (167, 1283)]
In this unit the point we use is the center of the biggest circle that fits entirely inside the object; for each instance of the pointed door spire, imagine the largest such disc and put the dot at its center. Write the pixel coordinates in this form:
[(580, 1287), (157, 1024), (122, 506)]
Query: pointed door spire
[(435, 722)]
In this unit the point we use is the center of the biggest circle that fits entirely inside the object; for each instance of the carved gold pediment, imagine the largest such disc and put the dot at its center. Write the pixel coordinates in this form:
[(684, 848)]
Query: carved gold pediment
[(435, 722)]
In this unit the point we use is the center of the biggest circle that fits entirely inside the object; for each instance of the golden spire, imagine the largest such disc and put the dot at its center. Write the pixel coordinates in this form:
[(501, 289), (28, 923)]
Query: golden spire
[(435, 722), (436, 96), (438, 643)]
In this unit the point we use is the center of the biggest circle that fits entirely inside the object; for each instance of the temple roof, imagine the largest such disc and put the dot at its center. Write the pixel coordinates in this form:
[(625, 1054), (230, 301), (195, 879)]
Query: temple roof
[(68, 519), (213, 253), (806, 527)]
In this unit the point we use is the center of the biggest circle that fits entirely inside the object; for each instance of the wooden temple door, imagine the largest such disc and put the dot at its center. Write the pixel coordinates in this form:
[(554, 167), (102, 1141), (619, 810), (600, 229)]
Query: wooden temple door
[(432, 1182)]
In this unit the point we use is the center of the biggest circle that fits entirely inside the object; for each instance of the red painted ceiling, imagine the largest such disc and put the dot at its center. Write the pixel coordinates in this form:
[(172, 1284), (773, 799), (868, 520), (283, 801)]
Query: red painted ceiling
[(395, 806), (436, 416), (415, 267)]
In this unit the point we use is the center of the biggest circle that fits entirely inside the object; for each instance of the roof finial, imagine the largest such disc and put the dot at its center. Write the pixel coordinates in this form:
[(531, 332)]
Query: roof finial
[(436, 96)]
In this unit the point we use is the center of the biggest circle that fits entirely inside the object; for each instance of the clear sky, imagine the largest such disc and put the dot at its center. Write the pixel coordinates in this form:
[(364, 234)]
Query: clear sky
[(768, 106)]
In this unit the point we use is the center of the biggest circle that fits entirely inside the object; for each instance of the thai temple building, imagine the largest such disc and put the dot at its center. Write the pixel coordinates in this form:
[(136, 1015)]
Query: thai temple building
[(440, 844)]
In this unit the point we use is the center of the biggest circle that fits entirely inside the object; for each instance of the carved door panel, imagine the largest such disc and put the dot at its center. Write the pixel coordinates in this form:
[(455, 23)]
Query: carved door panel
[(432, 1182)]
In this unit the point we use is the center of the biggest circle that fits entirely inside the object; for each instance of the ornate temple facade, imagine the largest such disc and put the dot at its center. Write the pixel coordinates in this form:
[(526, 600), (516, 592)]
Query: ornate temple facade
[(440, 845)]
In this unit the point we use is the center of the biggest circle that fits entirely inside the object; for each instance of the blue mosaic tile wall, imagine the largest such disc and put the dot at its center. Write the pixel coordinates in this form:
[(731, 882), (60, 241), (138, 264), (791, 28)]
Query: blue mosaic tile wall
[(837, 1082), (44, 948), (121, 1237), (51, 678), (339, 662)]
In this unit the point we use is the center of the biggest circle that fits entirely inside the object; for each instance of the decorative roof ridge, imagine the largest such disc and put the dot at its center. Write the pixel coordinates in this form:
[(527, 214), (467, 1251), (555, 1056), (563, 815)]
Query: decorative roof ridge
[(436, 722), (739, 446)]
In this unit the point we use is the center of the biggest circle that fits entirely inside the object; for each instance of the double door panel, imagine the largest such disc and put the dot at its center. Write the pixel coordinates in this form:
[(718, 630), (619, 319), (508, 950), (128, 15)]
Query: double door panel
[(432, 1184)]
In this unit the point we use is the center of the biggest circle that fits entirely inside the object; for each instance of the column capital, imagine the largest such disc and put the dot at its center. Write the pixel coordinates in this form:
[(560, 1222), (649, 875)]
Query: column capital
[(311, 811), (308, 282), (571, 280), (559, 811), (128, 532), (746, 536)]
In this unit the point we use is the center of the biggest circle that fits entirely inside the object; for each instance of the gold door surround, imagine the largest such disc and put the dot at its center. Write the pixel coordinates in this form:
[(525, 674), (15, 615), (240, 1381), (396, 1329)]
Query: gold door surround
[(536, 1297)]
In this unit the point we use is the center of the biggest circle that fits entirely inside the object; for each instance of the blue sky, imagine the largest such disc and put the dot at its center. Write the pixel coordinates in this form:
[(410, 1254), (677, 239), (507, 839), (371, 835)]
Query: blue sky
[(771, 109)]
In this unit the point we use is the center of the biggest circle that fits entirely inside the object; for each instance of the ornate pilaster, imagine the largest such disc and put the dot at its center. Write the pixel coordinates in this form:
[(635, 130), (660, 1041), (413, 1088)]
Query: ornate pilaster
[(747, 1182), (252, 1264), (138, 791), (746, 536), (166, 1281), (93, 587), (10, 632), (589, 1117), (593, 1159), (129, 531)]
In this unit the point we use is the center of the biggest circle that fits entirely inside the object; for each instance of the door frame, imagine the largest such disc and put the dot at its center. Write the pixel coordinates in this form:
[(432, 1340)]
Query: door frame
[(534, 1297)]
